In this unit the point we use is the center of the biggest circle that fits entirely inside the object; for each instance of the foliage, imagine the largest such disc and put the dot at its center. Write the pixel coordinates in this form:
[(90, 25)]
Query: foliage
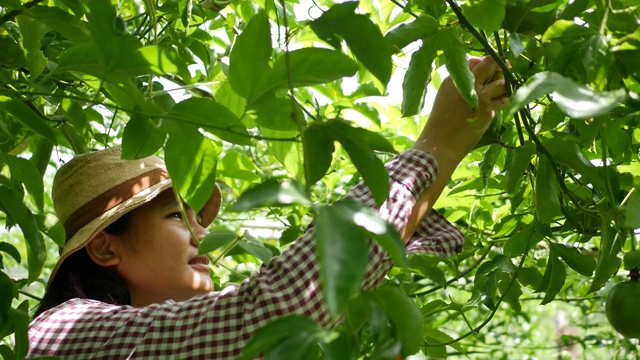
[(291, 95)]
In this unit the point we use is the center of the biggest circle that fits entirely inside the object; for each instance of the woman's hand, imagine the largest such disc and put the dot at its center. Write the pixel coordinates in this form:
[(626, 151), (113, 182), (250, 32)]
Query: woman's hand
[(453, 129)]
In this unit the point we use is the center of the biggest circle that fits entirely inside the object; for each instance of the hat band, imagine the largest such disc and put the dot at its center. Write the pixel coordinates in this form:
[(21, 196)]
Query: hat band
[(112, 198)]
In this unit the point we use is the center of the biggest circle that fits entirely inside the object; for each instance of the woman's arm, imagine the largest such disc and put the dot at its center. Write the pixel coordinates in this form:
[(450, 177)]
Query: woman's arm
[(453, 129), (219, 324)]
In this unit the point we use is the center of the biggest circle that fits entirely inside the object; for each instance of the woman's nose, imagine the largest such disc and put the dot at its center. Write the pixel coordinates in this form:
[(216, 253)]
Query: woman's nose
[(200, 233)]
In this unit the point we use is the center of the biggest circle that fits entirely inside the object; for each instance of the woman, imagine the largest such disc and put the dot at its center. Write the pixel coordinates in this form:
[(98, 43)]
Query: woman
[(129, 283)]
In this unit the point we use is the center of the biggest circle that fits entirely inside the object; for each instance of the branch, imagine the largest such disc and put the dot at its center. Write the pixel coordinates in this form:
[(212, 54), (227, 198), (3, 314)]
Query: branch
[(493, 312), (13, 13), (511, 80), (461, 275), (166, 116)]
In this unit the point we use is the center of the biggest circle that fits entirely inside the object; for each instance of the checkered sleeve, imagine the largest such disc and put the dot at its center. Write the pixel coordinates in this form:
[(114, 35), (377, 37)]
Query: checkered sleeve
[(219, 324)]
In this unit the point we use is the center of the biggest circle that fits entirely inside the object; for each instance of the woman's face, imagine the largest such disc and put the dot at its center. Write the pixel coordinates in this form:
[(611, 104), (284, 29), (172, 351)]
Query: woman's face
[(159, 258)]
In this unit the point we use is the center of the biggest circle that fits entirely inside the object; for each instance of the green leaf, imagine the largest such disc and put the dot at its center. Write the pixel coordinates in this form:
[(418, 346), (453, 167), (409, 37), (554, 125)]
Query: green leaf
[(24, 172), (41, 154), (608, 262), (631, 211), (272, 193), (547, 192), (575, 100), (597, 60), (306, 67), (427, 266), (434, 336), (405, 316), (515, 44), (215, 240), (455, 59), (362, 36), (511, 291), (212, 117), (142, 137), (522, 156), (378, 229), (343, 254), (522, 241), (153, 59), (277, 113), (530, 277), (339, 349), (489, 158), (11, 250), (32, 32), (581, 263), (16, 4), (617, 140), (25, 115), (289, 153), (248, 60), (551, 117), (256, 248), (485, 14), (60, 21), (523, 20), (74, 139), (19, 317), (553, 279), (191, 161), (7, 353), (418, 75), (424, 27), (566, 151), (114, 46), (567, 30), (12, 205), (80, 58), (238, 166), (7, 292), (358, 146), (297, 347), (297, 327), (53, 229), (318, 152), (12, 56)]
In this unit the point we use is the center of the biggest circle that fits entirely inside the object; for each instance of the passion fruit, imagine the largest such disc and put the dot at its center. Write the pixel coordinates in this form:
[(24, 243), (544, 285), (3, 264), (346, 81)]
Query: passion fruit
[(623, 308)]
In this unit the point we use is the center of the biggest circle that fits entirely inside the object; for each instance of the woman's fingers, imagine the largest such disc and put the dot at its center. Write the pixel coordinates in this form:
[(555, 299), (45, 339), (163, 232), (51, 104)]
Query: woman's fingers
[(501, 102), (473, 62), (485, 70), (495, 89)]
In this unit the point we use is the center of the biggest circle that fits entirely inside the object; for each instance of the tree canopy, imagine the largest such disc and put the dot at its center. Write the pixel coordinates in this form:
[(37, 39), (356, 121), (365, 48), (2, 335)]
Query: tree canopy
[(289, 103)]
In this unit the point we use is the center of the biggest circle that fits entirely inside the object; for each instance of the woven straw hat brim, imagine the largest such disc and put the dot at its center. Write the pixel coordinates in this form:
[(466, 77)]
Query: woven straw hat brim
[(85, 234)]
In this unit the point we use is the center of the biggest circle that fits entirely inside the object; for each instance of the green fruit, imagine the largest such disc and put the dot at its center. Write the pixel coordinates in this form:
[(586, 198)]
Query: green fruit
[(631, 260), (623, 308)]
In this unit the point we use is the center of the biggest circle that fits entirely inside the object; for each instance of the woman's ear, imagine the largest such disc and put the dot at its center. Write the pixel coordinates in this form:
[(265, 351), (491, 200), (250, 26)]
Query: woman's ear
[(103, 250)]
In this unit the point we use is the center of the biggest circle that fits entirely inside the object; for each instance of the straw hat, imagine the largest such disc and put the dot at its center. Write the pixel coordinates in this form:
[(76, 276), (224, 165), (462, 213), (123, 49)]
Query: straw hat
[(93, 190)]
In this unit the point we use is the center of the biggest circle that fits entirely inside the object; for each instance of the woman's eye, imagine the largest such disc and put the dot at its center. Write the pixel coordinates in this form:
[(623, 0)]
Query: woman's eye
[(177, 215)]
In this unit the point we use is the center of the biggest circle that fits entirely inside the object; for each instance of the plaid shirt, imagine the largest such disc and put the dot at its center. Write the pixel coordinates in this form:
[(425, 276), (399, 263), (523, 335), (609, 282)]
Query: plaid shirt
[(219, 324)]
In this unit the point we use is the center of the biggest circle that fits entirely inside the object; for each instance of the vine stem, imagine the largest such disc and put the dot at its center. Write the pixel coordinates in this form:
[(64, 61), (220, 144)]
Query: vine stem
[(632, 236), (554, 165), (287, 62), (509, 77), (158, 116), (461, 275), (477, 329), (28, 294), (13, 13)]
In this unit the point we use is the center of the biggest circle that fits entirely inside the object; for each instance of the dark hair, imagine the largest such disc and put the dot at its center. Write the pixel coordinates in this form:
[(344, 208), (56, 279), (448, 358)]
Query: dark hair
[(80, 277)]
